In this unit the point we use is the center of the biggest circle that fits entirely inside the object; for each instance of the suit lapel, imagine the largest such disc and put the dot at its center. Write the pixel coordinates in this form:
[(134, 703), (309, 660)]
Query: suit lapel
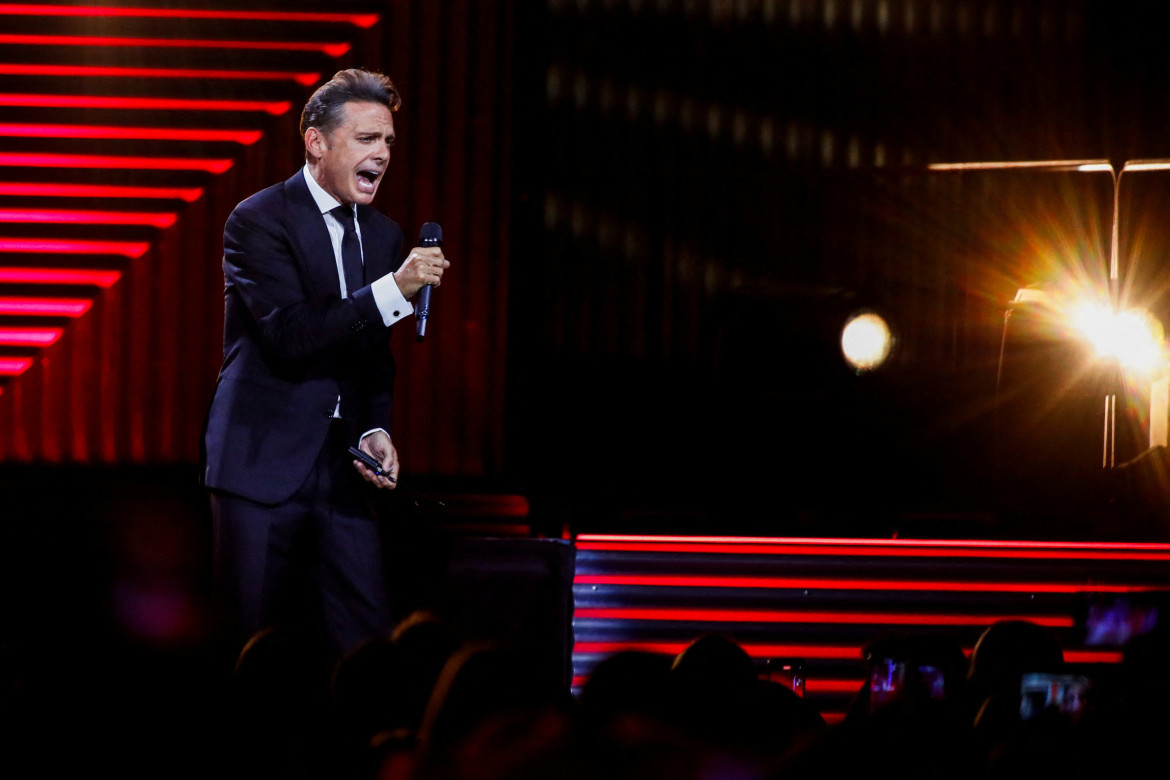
[(307, 228)]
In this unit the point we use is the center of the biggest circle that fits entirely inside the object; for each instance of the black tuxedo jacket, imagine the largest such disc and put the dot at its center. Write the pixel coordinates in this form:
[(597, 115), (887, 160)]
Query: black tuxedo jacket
[(292, 344)]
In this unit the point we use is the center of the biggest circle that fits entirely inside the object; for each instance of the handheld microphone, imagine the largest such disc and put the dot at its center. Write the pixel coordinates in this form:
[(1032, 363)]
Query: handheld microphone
[(429, 235)]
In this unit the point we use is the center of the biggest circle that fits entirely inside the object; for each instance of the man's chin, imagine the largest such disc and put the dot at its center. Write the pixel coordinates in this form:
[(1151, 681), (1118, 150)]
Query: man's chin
[(365, 198)]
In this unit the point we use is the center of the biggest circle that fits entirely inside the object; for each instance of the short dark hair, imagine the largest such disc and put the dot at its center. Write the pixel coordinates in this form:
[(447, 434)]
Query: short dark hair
[(325, 107)]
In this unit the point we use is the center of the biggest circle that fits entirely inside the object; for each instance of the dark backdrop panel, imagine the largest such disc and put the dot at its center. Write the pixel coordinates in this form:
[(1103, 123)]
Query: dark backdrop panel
[(720, 184)]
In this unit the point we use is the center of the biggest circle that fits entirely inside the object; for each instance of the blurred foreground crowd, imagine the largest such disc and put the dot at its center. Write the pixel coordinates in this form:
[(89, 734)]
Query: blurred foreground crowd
[(423, 704)]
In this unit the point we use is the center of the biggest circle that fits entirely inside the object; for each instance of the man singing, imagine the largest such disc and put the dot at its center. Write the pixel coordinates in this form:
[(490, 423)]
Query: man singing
[(310, 295)]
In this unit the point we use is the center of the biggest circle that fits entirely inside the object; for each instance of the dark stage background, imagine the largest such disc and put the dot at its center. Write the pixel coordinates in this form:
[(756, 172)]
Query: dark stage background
[(721, 183), (659, 212)]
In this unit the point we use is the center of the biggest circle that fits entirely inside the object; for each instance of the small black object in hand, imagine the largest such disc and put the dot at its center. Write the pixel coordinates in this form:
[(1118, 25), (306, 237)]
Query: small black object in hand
[(369, 460)]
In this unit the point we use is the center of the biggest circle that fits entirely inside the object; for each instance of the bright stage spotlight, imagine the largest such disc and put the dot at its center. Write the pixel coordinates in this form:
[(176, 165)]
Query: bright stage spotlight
[(866, 341), (1133, 337)]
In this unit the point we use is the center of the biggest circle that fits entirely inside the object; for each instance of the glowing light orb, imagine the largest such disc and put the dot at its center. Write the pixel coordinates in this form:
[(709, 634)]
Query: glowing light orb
[(1133, 337), (866, 341)]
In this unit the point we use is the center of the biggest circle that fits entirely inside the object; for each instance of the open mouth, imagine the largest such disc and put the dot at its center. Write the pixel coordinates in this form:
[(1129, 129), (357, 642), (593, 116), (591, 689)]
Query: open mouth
[(367, 180)]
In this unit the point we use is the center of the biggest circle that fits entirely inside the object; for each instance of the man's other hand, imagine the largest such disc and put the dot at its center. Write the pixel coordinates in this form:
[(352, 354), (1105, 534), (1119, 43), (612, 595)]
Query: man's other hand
[(379, 446)]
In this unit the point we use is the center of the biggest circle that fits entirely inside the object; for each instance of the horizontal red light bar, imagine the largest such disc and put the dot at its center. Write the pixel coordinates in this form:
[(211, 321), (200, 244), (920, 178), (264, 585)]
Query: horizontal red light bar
[(812, 583), (826, 652), (305, 79), (31, 160), (357, 20), (1093, 656), (87, 276), (244, 137), (274, 107), (878, 547), (796, 616), (29, 337), (329, 49), (45, 307), (826, 686), (848, 542), (877, 551), (834, 652), (132, 249), (39, 189), (66, 216), (14, 366)]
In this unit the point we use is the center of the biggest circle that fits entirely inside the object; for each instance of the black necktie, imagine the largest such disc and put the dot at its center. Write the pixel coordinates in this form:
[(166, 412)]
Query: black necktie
[(351, 250)]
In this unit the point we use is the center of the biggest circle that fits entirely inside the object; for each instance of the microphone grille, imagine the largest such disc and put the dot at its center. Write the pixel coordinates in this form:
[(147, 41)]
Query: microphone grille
[(430, 234)]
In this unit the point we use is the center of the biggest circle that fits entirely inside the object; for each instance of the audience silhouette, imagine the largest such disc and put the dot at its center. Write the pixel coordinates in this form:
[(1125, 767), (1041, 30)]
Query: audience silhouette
[(425, 703)]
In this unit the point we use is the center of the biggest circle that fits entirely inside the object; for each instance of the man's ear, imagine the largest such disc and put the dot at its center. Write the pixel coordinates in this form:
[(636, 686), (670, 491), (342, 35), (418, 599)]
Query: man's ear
[(315, 143)]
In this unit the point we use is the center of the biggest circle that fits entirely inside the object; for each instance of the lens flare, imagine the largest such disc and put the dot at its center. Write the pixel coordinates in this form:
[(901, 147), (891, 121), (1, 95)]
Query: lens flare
[(1132, 337), (866, 341)]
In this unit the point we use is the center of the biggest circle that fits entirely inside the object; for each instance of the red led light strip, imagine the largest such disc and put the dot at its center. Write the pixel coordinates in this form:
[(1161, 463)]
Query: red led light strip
[(357, 20), (330, 49), (45, 307), (31, 160), (835, 652), (847, 542), (63, 216), (132, 249), (86, 276), (14, 366), (883, 552), (38, 189), (831, 686), (276, 108), (1092, 656), (796, 616), (243, 137), (811, 583), (825, 652), (878, 547), (29, 337), (305, 79)]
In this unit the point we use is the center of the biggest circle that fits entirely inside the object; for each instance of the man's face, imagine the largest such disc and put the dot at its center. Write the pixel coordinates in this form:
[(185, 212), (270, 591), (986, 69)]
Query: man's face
[(349, 163)]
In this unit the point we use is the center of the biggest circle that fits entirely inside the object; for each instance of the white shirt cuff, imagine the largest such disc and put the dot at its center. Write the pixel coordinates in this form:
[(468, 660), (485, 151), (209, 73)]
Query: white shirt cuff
[(391, 304), (367, 433)]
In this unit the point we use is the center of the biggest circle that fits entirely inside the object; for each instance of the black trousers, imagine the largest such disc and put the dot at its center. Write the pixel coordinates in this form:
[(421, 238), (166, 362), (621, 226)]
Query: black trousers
[(314, 560)]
